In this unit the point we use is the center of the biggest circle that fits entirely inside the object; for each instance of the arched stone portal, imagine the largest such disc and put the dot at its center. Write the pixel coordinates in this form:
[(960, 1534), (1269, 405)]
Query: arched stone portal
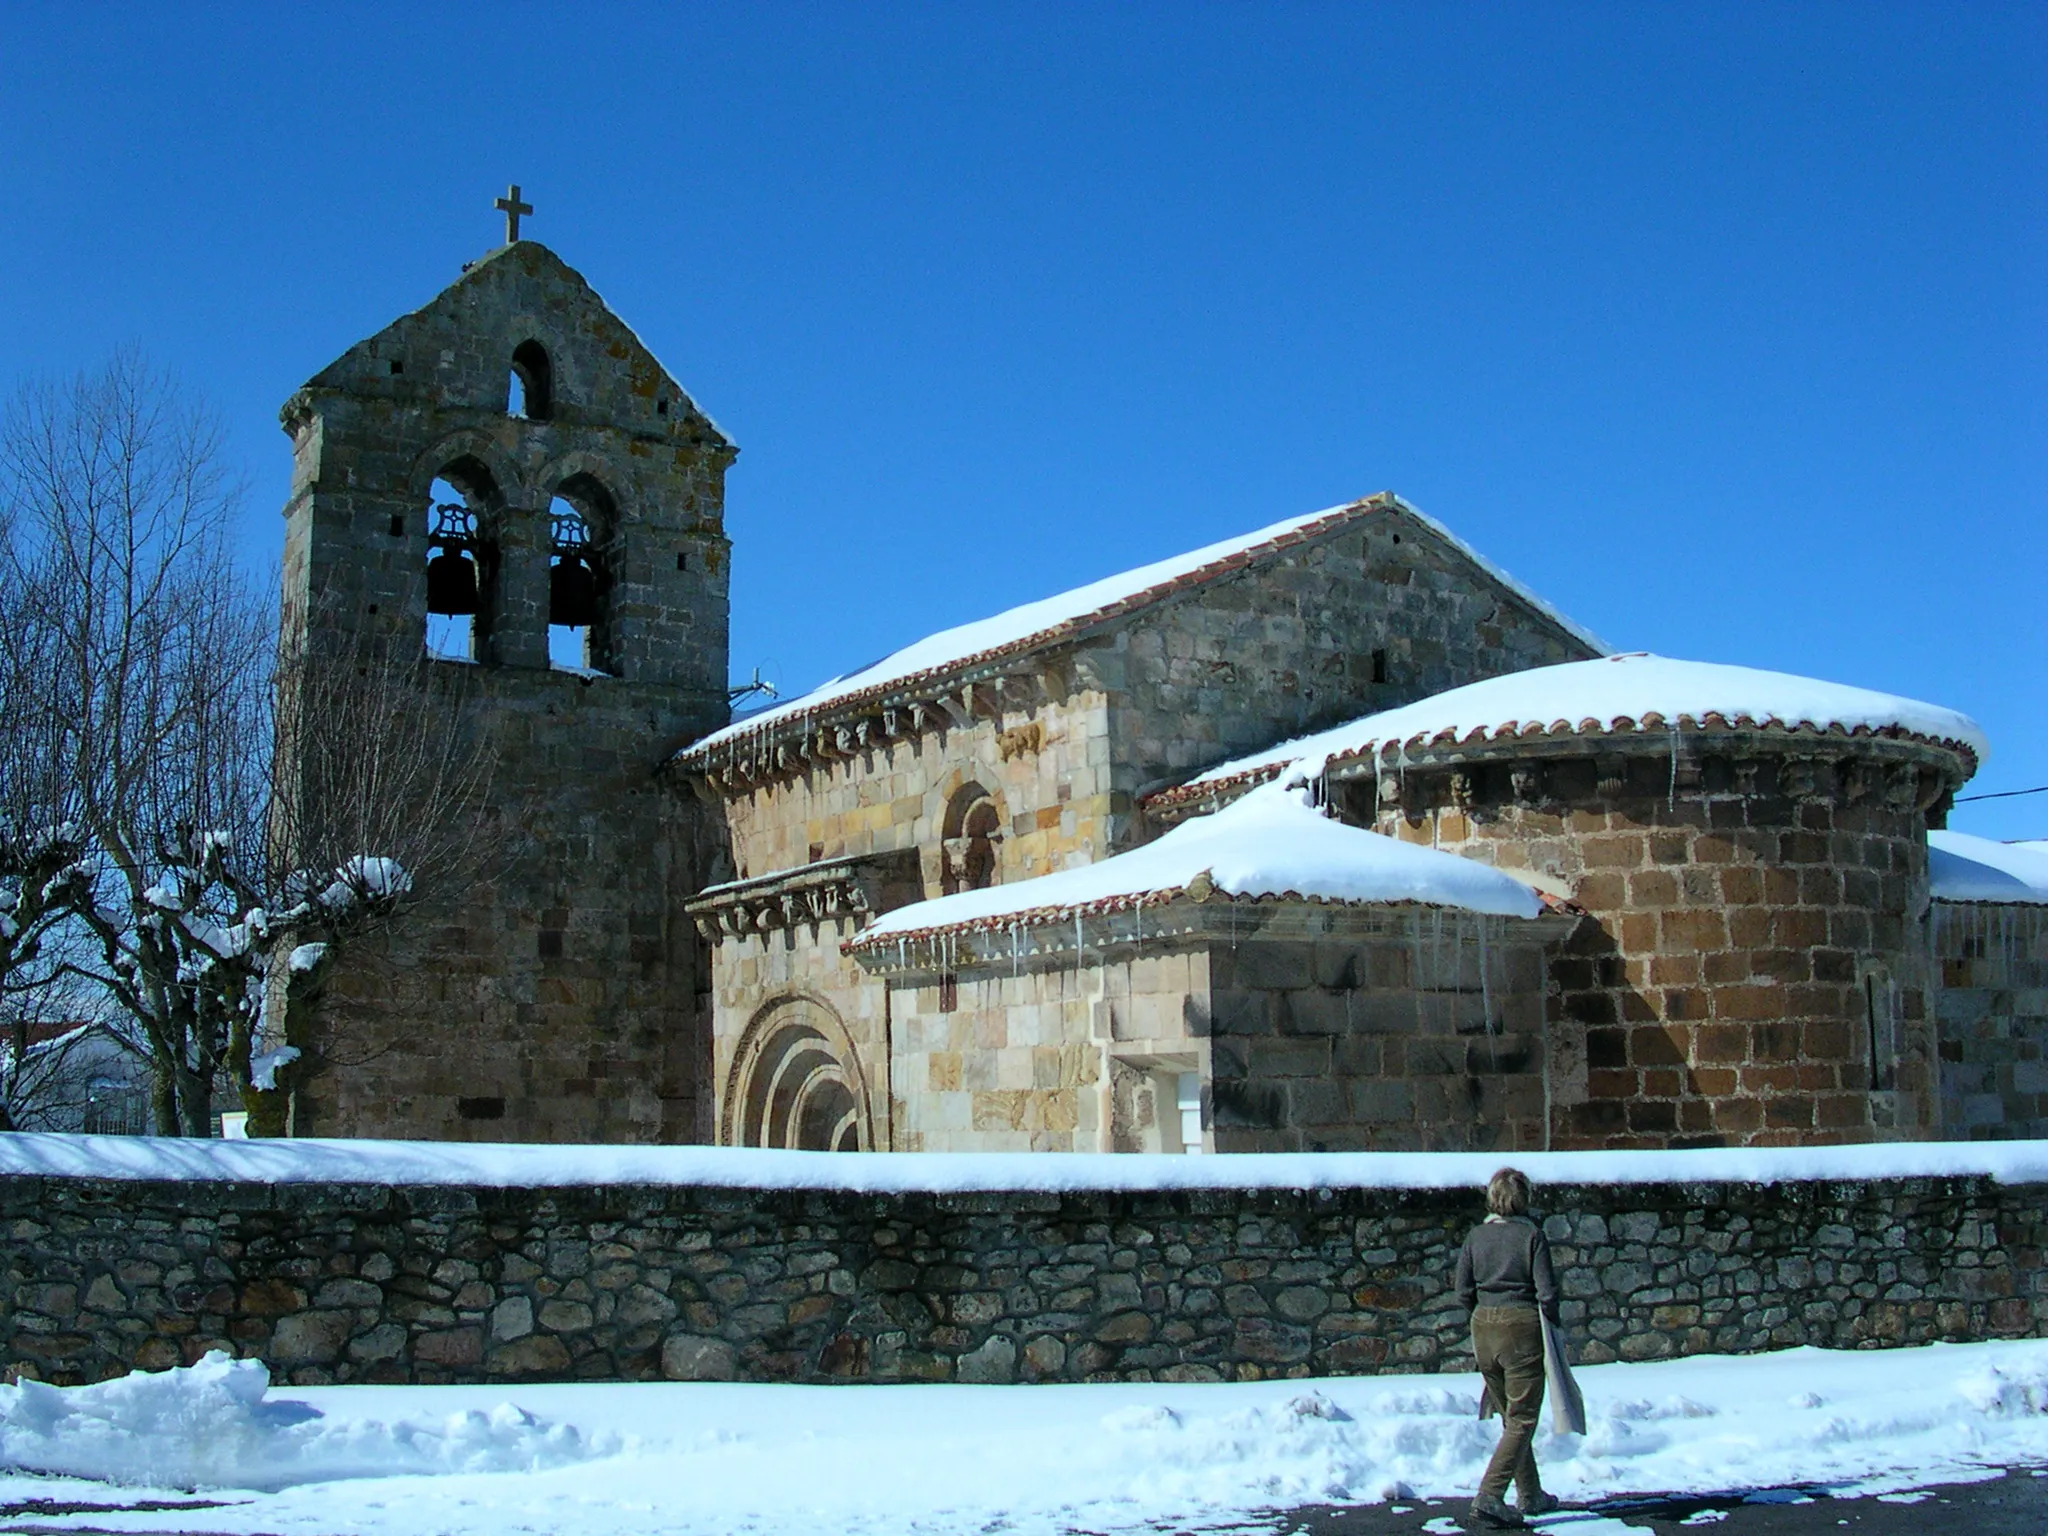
[(796, 1083)]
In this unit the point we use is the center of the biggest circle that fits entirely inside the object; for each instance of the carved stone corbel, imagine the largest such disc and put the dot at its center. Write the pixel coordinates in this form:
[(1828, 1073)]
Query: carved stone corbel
[(1461, 790), (1612, 771)]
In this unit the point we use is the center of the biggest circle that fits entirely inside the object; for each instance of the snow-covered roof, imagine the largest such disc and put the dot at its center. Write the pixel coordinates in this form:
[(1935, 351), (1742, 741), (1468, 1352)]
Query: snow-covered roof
[(1637, 691), (1032, 625), (1965, 868), (1271, 845)]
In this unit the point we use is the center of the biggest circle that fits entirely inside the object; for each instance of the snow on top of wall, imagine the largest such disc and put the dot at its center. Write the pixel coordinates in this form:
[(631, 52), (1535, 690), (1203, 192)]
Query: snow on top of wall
[(1038, 622), (1636, 691), (1965, 868), (1271, 843), (506, 1165)]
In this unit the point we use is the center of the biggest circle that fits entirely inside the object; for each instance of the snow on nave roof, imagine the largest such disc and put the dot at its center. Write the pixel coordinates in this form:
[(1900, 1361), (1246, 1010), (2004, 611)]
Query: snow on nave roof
[(1036, 623), (1965, 868), (1269, 844), (1598, 695)]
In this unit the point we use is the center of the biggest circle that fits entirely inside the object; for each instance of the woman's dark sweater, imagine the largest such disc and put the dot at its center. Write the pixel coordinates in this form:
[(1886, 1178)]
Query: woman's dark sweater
[(1506, 1263)]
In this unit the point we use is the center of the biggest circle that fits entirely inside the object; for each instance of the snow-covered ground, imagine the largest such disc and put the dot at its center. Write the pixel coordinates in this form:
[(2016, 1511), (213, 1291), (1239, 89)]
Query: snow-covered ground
[(697, 1458)]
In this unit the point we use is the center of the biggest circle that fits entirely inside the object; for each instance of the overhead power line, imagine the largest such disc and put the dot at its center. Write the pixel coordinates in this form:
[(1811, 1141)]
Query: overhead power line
[(2004, 794)]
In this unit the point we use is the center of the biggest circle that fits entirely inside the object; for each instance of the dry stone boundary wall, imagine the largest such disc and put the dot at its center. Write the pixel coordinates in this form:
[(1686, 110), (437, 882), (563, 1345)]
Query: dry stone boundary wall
[(370, 1283)]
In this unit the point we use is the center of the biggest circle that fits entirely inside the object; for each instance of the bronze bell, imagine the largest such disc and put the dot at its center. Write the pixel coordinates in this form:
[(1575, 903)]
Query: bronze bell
[(572, 593), (451, 584)]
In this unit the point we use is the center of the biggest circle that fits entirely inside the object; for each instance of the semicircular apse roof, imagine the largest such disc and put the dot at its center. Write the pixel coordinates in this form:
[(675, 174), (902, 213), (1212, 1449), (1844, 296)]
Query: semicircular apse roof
[(1637, 691)]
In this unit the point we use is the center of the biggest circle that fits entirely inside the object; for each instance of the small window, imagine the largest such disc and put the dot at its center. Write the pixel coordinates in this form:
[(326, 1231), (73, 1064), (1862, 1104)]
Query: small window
[(682, 562), (1880, 1017), (971, 849), (551, 943), (398, 525), (480, 1109), (397, 367), (1188, 1099), (1379, 666), (532, 389)]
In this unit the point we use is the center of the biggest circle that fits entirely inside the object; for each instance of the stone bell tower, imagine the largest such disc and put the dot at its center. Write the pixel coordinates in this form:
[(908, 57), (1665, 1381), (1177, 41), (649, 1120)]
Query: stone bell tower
[(507, 483)]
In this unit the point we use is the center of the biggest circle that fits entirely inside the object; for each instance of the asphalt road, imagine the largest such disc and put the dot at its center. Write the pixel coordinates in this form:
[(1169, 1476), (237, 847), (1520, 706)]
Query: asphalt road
[(2014, 1504)]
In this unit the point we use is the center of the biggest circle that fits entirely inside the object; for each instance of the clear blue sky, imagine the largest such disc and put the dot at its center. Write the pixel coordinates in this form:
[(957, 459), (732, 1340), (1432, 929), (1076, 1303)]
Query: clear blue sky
[(1723, 326)]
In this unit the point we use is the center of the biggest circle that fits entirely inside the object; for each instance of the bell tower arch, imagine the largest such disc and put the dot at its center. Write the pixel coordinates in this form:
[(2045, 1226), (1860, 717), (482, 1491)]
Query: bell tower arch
[(508, 481)]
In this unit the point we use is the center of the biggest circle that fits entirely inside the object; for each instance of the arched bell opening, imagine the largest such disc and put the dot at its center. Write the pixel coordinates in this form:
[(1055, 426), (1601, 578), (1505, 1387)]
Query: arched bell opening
[(581, 521), (532, 389), (461, 567)]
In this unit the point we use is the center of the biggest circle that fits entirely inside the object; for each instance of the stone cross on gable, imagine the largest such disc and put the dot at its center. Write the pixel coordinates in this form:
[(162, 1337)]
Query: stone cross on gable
[(512, 208)]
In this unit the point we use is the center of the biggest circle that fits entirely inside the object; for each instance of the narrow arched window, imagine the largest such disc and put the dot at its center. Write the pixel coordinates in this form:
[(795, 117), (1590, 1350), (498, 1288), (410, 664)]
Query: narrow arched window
[(533, 382), (1881, 1027), (973, 837), (459, 569)]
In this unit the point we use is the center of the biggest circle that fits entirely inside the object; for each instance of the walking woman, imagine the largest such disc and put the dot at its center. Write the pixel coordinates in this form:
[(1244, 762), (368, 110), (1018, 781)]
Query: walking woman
[(1504, 1276)]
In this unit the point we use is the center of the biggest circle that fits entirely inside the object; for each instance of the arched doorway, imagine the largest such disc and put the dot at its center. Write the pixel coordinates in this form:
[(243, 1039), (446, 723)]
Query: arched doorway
[(796, 1083)]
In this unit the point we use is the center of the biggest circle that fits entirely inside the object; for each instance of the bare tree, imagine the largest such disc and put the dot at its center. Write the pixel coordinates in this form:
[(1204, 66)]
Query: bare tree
[(41, 879), (196, 821), (154, 647)]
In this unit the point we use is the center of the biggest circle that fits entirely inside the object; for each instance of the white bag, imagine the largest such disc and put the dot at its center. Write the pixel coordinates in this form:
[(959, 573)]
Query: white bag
[(1567, 1407)]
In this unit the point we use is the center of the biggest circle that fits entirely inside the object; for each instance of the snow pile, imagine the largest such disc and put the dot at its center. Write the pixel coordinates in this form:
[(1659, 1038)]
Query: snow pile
[(1021, 626), (1270, 843), (213, 1425), (1618, 693), (512, 1165), (1965, 868), (700, 1458)]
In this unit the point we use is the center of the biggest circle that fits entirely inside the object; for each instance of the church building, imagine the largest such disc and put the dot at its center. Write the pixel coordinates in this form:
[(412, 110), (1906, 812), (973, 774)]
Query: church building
[(1330, 836)]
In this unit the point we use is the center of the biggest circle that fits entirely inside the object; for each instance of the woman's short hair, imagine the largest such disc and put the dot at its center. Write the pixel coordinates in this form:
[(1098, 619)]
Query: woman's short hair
[(1507, 1193)]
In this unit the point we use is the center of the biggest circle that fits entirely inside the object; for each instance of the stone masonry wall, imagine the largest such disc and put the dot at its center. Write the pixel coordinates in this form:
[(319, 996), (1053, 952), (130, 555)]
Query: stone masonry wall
[(1746, 902), (1017, 1058), (1045, 759), (378, 1284), (1428, 1037), (1382, 615), (1991, 1014)]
